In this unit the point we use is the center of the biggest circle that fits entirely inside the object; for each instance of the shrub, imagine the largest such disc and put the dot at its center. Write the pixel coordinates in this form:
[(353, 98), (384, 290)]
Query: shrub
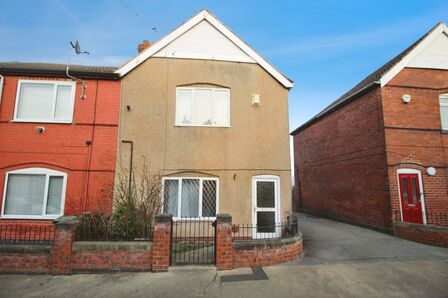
[(135, 205)]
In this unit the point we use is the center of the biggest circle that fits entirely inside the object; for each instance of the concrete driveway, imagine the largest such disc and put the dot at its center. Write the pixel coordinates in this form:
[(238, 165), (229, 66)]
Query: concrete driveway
[(327, 241), (340, 261)]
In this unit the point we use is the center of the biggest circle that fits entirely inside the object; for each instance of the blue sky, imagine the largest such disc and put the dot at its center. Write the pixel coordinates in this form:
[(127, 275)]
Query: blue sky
[(325, 46)]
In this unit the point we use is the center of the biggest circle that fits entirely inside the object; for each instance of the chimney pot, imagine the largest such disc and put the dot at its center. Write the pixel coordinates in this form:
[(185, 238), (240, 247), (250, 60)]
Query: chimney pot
[(145, 44)]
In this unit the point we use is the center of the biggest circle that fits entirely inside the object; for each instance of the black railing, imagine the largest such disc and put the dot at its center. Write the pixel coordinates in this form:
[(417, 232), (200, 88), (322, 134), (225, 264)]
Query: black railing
[(286, 229), (26, 234), (432, 218), (99, 227)]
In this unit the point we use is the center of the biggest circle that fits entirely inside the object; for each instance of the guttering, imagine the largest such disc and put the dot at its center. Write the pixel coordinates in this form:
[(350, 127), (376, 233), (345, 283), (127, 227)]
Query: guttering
[(2, 80), (343, 102), (61, 73)]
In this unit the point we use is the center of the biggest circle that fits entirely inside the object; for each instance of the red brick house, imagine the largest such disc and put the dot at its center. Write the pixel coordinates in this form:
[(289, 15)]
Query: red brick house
[(379, 153), (58, 140)]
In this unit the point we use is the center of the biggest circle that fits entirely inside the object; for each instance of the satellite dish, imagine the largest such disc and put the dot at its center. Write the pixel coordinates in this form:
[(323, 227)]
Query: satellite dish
[(77, 48)]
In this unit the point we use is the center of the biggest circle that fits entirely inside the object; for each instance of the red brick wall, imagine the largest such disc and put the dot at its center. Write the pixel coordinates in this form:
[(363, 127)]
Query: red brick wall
[(265, 255), (161, 243), (224, 255), (63, 147), (341, 165), (422, 233), (25, 262), (413, 134), (61, 253), (117, 258)]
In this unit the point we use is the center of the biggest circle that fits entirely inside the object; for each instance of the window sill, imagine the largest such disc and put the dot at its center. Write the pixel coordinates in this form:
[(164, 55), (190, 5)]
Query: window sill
[(43, 217), (211, 126), (42, 121), (445, 131), (194, 218)]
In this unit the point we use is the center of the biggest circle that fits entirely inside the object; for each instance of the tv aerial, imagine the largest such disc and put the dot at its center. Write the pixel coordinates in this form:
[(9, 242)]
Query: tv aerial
[(75, 46)]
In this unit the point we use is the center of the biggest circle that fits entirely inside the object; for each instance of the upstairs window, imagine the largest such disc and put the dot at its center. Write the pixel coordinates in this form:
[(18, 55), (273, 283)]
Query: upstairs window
[(203, 107), (34, 193), (444, 111), (44, 101)]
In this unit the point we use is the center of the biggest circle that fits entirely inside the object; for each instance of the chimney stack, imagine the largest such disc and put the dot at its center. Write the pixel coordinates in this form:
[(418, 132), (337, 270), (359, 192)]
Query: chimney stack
[(145, 44)]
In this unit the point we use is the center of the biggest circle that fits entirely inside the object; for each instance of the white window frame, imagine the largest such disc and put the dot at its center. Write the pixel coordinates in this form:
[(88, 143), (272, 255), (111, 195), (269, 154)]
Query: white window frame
[(193, 93), (422, 194), (55, 88), (36, 171), (179, 197), (442, 96)]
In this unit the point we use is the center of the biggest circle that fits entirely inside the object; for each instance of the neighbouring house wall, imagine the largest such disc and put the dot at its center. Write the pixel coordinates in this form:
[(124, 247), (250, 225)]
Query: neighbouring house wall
[(414, 138), (341, 164), (63, 147), (257, 143)]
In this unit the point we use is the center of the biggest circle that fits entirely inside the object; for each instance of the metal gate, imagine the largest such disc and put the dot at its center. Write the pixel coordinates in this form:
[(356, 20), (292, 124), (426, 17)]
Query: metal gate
[(193, 241)]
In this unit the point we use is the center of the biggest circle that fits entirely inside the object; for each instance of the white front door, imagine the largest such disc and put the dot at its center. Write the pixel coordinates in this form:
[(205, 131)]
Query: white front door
[(265, 200)]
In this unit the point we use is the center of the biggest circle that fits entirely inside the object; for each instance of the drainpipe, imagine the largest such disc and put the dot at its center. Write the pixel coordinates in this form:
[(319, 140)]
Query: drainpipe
[(2, 79), (130, 166)]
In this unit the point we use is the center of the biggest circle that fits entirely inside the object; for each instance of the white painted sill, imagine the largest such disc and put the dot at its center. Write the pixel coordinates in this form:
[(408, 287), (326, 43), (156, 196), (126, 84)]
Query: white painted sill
[(42, 121), (43, 217), (198, 125)]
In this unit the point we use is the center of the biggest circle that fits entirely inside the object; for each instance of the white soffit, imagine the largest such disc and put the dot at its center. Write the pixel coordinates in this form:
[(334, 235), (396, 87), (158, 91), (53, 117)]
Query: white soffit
[(203, 41), (431, 52), (229, 48)]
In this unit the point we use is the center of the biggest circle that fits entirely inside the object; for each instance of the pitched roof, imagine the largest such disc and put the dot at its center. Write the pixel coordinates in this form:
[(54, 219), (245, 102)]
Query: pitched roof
[(204, 15), (50, 69), (379, 77)]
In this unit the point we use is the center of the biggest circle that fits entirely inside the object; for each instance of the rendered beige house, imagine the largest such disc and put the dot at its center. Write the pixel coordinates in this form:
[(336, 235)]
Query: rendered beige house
[(211, 115)]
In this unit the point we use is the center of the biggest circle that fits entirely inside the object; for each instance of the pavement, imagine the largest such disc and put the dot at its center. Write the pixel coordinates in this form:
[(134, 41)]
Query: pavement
[(340, 260)]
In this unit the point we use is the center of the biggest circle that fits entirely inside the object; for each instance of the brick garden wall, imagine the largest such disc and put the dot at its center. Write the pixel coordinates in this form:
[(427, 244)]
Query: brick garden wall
[(341, 165), (253, 253), (25, 258), (428, 234), (65, 256), (111, 256)]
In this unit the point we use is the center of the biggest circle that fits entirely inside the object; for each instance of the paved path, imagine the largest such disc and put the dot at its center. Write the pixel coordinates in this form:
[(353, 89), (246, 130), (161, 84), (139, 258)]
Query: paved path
[(340, 261)]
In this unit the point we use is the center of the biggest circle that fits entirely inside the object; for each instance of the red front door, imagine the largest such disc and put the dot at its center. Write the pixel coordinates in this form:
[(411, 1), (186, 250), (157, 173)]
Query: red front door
[(410, 198)]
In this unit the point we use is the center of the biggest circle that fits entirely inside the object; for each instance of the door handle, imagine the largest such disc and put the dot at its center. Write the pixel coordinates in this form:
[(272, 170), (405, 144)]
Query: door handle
[(419, 198)]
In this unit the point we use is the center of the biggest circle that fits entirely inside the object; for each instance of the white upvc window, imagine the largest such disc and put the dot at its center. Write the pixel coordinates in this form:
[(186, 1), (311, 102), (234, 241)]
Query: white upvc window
[(190, 197), (34, 193), (202, 107), (44, 101), (444, 111)]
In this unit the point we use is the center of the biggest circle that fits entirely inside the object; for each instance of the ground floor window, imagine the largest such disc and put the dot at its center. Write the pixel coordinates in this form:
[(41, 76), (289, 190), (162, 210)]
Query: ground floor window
[(34, 193), (190, 197)]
